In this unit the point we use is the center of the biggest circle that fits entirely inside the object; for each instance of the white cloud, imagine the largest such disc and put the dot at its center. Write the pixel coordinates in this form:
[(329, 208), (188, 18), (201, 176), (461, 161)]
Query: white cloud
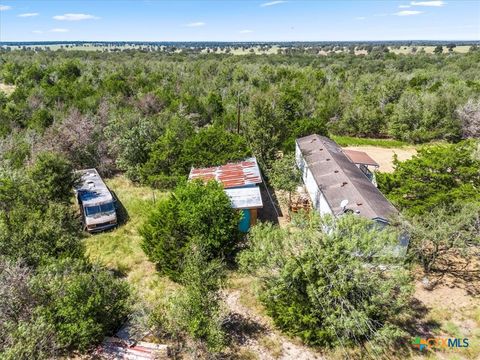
[(360, 18), (271, 3), (28, 15), (404, 6), (75, 17), (37, 31), (58, 30), (196, 24), (245, 31), (428, 3), (408, 13), (5, 7)]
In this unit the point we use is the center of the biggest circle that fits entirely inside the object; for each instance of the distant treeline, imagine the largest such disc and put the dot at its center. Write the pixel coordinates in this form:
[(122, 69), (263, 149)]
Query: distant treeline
[(203, 44), (154, 115)]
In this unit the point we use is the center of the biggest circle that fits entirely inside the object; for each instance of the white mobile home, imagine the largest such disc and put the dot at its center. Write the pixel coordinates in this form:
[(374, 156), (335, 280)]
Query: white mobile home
[(332, 177)]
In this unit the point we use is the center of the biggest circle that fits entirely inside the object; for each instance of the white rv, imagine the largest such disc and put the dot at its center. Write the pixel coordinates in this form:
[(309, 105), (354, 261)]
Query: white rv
[(96, 202)]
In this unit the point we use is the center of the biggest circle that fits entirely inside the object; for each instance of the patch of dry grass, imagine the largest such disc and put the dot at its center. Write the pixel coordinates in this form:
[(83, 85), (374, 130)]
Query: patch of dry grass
[(273, 345), (120, 249), (7, 89), (452, 305), (247, 287), (246, 354)]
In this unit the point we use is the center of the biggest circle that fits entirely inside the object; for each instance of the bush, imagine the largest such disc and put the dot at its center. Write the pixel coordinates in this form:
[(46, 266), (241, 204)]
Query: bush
[(53, 177), (285, 175), (437, 176), (193, 213), (37, 235), (82, 302), (335, 288), (212, 146), (437, 235), (178, 150), (66, 305), (195, 309)]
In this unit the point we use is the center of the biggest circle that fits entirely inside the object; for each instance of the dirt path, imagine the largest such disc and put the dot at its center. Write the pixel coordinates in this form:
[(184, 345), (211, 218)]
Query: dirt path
[(384, 156), (254, 334)]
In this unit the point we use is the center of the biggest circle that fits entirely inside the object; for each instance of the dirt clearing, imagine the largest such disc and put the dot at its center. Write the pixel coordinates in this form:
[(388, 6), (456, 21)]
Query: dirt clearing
[(384, 156)]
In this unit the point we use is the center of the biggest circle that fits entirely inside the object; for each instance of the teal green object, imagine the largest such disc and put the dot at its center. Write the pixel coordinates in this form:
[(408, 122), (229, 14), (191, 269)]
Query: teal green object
[(244, 225)]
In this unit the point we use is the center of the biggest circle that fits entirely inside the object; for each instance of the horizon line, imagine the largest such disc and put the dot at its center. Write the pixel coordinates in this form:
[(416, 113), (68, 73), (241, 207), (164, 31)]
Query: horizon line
[(224, 41)]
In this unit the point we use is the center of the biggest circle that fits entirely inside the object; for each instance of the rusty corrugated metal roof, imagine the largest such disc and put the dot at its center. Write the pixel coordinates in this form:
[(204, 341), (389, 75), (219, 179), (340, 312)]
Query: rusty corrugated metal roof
[(231, 175), (360, 157)]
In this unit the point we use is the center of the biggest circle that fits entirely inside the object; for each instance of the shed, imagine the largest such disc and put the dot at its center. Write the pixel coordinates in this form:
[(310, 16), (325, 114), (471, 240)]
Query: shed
[(240, 181)]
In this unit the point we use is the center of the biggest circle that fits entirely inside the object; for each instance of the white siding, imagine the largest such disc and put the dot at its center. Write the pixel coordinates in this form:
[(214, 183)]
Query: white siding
[(318, 200)]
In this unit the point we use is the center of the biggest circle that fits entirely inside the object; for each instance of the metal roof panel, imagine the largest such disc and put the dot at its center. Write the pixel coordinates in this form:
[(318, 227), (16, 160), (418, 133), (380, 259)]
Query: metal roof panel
[(245, 198), (360, 157), (230, 175)]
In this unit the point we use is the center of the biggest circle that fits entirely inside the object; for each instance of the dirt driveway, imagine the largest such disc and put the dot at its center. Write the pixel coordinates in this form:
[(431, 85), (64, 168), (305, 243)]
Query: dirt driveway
[(384, 156)]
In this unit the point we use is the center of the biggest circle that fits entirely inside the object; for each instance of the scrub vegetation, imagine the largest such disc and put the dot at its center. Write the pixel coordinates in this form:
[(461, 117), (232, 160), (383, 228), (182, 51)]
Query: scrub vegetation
[(177, 266)]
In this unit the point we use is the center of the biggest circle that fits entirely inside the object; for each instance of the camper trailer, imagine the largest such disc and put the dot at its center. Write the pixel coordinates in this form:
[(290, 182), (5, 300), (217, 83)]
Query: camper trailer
[(96, 202)]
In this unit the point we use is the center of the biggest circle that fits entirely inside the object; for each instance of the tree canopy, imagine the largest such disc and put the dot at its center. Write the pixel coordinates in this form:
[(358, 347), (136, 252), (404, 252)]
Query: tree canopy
[(53, 300), (342, 287), (193, 213), (154, 115), (438, 175)]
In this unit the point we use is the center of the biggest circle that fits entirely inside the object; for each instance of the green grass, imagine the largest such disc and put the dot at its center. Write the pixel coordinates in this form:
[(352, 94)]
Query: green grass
[(120, 249), (354, 141)]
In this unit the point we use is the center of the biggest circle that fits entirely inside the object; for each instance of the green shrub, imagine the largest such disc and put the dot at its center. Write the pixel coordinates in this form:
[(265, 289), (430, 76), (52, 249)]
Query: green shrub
[(179, 149), (37, 235), (82, 302), (195, 309), (63, 306), (193, 213), (437, 176), (212, 146), (53, 177), (335, 288), (436, 235)]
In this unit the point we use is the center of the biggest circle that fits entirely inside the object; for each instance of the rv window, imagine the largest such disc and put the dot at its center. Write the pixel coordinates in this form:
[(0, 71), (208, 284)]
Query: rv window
[(98, 209), (107, 207), (92, 210)]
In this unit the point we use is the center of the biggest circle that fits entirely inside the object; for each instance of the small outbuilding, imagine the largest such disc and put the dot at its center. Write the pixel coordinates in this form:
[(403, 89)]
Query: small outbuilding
[(364, 162), (241, 183)]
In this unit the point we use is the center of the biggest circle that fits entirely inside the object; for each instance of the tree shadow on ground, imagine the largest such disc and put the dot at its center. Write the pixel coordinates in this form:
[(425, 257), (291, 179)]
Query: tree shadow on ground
[(240, 329), (418, 325), (122, 213), (460, 272)]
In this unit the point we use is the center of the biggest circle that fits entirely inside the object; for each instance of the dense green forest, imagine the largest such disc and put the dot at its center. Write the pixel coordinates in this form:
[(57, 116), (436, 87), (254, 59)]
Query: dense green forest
[(153, 115)]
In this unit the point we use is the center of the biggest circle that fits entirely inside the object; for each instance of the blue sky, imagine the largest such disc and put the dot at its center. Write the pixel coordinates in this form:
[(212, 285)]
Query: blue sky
[(247, 20)]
